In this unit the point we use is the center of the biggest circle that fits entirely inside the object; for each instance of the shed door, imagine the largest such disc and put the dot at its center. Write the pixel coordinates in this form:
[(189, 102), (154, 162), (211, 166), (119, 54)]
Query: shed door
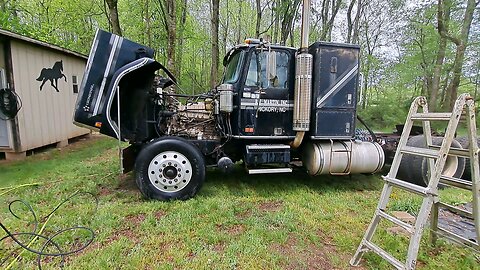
[(3, 132)]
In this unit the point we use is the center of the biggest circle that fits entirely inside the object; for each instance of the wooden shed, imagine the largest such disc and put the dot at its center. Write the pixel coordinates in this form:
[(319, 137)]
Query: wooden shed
[(46, 78)]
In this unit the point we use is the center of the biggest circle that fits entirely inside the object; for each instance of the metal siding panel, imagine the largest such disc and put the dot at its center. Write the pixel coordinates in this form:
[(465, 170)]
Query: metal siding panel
[(78, 68), (24, 113), (46, 116)]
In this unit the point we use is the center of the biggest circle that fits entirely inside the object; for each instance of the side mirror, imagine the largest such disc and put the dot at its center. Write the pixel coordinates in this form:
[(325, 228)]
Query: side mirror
[(272, 68)]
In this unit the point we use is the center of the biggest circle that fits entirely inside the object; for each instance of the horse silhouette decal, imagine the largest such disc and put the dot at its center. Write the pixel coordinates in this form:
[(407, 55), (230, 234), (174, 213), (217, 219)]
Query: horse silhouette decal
[(52, 75)]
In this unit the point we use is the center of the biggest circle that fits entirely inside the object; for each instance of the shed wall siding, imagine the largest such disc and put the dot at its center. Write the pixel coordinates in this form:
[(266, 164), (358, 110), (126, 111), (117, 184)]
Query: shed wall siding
[(5, 137), (46, 116)]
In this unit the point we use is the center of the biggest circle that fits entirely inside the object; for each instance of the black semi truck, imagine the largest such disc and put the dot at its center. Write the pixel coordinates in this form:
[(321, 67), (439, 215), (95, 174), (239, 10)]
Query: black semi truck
[(276, 106)]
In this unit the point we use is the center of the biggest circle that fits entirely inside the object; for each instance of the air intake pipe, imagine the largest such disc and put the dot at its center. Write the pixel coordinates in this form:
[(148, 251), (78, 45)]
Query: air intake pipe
[(303, 82)]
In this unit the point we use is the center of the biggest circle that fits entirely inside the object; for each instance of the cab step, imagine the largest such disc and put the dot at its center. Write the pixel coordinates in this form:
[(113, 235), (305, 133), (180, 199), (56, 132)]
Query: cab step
[(269, 170)]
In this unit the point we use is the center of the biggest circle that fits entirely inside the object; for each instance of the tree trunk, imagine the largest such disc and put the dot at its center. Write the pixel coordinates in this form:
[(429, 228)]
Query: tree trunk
[(328, 18), (239, 22), (461, 43), (215, 19), (181, 32), (170, 23), (113, 16), (148, 26), (276, 23), (443, 19), (225, 29), (259, 19), (349, 21), (352, 25), (288, 9)]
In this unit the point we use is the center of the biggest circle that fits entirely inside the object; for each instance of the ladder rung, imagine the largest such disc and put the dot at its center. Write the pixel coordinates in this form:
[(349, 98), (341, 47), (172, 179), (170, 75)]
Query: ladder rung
[(409, 228), (385, 255), (407, 186), (456, 182), (453, 151), (456, 210), (431, 116), (424, 152)]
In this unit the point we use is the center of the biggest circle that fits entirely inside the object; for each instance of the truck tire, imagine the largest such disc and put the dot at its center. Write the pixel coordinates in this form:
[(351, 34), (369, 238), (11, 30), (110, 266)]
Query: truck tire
[(467, 174), (414, 168), (169, 169)]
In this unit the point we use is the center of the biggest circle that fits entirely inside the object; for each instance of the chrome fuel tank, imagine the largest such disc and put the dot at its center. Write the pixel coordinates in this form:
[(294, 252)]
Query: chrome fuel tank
[(342, 157)]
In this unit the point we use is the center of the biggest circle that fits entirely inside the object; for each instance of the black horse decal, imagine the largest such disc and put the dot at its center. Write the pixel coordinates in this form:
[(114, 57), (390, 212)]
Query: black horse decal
[(52, 75)]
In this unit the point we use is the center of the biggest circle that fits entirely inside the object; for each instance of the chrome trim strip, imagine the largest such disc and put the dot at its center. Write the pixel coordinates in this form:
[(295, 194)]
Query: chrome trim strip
[(107, 71), (331, 137), (268, 146), (263, 171), (261, 137)]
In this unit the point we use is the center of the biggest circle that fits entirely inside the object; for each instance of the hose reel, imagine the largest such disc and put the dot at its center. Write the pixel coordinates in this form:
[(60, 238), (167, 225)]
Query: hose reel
[(10, 104)]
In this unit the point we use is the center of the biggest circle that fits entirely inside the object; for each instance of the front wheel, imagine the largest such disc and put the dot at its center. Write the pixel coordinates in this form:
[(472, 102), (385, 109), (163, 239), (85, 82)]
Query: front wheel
[(169, 169)]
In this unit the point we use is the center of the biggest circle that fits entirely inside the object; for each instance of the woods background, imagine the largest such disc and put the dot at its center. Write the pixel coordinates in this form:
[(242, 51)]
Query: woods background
[(409, 48)]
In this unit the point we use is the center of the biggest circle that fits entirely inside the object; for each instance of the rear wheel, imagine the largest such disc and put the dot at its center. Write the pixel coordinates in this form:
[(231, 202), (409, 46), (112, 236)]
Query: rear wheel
[(414, 168), (169, 169)]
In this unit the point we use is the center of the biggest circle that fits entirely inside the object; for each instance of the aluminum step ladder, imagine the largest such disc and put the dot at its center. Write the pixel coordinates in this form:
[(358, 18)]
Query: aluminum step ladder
[(436, 157)]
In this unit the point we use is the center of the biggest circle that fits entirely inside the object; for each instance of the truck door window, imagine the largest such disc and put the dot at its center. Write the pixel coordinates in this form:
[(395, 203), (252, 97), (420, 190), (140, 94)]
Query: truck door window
[(233, 68), (278, 77)]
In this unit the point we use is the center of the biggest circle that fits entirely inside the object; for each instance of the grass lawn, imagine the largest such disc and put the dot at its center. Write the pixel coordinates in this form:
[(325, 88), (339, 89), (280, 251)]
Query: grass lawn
[(237, 221)]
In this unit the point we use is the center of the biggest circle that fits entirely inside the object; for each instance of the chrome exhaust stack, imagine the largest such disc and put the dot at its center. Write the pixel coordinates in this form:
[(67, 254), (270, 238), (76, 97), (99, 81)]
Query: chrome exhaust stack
[(303, 82)]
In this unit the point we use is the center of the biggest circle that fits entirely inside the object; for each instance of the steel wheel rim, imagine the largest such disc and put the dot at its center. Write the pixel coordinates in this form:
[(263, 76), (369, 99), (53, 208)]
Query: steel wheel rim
[(170, 171)]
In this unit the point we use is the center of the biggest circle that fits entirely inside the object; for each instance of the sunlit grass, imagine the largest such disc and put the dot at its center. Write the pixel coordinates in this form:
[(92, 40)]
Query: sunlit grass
[(237, 221)]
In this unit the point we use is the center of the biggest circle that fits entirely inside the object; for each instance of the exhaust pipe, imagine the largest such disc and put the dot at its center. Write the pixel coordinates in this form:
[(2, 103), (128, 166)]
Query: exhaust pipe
[(303, 82)]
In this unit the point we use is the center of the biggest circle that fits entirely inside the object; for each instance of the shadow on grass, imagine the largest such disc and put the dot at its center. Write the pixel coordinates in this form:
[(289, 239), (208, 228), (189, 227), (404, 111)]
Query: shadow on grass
[(240, 183)]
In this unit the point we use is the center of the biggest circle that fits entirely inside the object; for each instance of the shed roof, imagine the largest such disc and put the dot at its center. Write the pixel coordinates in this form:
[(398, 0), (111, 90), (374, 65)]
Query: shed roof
[(40, 43)]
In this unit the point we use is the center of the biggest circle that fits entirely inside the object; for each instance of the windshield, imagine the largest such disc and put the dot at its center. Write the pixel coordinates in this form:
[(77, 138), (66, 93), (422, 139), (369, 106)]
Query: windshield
[(277, 69), (232, 69)]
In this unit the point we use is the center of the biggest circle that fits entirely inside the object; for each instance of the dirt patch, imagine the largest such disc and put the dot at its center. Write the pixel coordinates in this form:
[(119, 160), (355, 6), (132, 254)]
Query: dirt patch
[(270, 206), (219, 247), (330, 247), (311, 256), (298, 257), (127, 182), (159, 214), (234, 229), (126, 232), (135, 219), (191, 255), (115, 236), (244, 215), (104, 191)]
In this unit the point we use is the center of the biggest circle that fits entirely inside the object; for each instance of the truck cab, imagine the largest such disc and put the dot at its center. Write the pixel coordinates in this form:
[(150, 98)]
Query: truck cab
[(262, 78)]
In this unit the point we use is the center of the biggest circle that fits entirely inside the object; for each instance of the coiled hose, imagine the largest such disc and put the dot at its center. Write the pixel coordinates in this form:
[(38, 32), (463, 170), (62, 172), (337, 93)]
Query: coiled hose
[(10, 104)]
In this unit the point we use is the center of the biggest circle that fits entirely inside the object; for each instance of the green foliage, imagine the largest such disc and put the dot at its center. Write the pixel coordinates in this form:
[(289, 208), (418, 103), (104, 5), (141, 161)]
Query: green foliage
[(287, 220), (398, 42), (386, 111)]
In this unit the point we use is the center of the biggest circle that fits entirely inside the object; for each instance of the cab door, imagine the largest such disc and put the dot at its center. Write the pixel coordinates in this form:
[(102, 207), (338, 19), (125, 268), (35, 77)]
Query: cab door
[(267, 97)]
